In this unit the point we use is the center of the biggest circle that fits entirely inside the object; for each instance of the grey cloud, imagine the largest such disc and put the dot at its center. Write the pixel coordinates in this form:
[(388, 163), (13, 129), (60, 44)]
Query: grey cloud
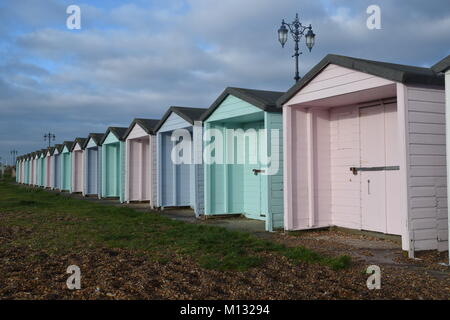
[(136, 60)]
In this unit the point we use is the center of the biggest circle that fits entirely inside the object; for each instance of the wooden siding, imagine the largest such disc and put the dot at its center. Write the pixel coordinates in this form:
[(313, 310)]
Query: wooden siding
[(174, 122), (336, 80), (232, 107), (447, 119), (427, 183), (154, 172), (197, 169), (275, 217)]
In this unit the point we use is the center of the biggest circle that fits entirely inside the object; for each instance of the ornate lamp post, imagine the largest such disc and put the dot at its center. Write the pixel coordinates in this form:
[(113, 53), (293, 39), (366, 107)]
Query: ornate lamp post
[(297, 30), (49, 137), (13, 156)]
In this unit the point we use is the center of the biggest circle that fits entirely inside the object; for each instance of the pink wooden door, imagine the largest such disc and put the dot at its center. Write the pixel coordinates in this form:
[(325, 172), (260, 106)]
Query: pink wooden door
[(145, 170), (373, 183), (135, 177), (380, 204)]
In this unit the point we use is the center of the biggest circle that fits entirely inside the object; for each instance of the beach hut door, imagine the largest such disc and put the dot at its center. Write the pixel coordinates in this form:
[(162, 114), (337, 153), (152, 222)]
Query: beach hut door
[(92, 171), (379, 171), (253, 174), (373, 197)]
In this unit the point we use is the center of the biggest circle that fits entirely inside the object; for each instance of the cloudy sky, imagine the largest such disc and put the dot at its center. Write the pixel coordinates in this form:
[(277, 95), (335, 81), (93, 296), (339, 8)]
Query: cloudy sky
[(135, 58)]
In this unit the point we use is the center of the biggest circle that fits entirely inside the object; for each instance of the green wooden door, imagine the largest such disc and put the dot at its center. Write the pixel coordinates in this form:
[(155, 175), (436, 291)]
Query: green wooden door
[(66, 172), (112, 170), (253, 180)]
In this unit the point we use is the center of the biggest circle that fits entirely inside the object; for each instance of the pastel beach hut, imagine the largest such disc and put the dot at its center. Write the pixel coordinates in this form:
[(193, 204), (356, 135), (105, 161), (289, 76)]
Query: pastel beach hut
[(92, 165), (365, 149), (77, 165), (66, 166), (36, 167), (241, 179), (22, 168), (140, 161), (48, 167), (37, 158), (113, 154), (34, 170), (17, 166), (180, 183), (42, 168), (23, 164), (443, 67), (18, 169), (26, 170), (56, 157)]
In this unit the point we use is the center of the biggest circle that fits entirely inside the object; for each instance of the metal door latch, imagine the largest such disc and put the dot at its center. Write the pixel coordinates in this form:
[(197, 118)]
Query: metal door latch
[(355, 170), (256, 171)]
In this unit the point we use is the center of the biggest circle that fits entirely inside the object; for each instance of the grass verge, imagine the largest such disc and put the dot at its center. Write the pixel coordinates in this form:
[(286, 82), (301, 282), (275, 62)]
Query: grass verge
[(53, 222)]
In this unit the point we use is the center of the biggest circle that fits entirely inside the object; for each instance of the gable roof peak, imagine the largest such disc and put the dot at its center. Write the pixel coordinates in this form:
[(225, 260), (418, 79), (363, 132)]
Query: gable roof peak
[(391, 71)]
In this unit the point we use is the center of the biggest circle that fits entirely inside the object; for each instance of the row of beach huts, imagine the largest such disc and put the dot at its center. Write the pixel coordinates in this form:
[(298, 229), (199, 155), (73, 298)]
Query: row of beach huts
[(356, 144)]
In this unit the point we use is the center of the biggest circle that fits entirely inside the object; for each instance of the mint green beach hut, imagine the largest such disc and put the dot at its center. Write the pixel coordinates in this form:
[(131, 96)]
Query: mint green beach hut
[(66, 166), (113, 159), (246, 175)]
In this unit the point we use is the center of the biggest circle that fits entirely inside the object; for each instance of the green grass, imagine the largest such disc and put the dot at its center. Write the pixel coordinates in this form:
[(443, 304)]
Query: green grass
[(57, 223)]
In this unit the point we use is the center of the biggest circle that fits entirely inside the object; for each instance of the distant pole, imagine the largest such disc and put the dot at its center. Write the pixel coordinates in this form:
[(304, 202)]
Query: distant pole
[(13, 156), (49, 137)]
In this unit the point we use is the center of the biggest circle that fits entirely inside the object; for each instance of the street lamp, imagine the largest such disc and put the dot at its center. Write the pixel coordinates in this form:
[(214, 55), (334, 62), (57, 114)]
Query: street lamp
[(49, 136), (13, 156), (297, 30)]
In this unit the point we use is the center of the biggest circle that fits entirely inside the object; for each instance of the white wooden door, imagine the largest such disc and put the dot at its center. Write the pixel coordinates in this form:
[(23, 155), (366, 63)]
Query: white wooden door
[(373, 183)]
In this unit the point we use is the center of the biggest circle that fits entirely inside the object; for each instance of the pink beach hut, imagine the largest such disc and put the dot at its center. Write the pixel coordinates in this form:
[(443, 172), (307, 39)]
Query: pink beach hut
[(49, 167), (77, 165), (140, 161), (365, 149)]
